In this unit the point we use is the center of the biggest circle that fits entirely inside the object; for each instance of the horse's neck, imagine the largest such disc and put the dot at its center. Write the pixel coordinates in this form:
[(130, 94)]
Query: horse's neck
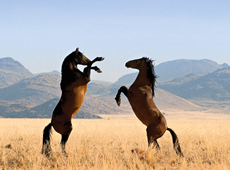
[(142, 79)]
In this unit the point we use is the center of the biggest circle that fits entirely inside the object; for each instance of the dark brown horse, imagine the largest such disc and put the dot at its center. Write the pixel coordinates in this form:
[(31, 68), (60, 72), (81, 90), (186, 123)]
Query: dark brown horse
[(140, 96), (73, 85)]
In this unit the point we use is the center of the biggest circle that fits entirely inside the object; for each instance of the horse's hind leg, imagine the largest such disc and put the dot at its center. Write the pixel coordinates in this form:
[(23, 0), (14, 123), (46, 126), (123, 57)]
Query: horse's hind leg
[(46, 148), (152, 135), (63, 142), (155, 144), (65, 136)]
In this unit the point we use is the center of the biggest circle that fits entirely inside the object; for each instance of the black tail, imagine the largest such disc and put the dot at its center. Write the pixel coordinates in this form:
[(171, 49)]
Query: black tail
[(176, 144), (46, 148)]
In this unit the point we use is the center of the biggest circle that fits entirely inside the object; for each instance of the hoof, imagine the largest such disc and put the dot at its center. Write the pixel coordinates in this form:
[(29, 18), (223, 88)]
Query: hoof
[(47, 154), (47, 151), (65, 154), (118, 100), (98, 70), (99, 58)]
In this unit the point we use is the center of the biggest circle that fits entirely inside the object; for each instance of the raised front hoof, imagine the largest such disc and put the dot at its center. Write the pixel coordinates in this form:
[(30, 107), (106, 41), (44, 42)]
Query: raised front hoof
[(118, 100), (100, 58), (97, 69)]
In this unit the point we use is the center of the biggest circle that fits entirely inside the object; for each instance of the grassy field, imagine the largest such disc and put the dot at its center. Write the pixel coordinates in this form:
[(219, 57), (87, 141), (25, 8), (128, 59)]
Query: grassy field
[(107, 144)]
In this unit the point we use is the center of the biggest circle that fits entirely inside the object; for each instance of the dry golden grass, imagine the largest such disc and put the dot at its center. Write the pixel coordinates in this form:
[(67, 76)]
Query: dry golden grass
[(107, 144)]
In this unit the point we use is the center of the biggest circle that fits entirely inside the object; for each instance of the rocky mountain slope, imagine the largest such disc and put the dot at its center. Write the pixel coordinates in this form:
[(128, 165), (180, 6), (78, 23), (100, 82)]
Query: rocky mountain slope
[(179, 68), (12, 71), (33, 91), (211, 90), (212, 86)]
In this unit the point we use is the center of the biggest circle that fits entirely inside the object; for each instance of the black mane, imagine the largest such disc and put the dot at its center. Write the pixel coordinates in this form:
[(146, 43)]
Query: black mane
[(150, 72)]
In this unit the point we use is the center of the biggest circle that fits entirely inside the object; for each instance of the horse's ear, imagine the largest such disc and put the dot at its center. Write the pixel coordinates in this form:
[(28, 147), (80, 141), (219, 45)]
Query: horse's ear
[(77, 50)]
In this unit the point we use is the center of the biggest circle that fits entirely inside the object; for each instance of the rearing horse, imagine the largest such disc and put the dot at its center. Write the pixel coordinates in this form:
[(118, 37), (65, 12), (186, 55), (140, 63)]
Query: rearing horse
[(140, 96), (73, 85)]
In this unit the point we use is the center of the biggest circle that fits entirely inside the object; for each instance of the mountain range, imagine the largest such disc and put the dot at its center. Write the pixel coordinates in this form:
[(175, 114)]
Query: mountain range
[(210, 88), (34, 90), (177, 68), (23, 94)]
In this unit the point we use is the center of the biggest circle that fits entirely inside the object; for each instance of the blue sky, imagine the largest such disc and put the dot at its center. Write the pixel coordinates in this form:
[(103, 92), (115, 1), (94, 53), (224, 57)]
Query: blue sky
[(40, 34)]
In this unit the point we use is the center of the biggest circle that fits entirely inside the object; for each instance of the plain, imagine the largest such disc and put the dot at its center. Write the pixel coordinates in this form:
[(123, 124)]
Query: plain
[(107, 144)]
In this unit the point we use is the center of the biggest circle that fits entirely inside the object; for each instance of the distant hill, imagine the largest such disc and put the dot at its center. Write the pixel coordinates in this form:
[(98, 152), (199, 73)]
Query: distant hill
[(96, 104), (34, 90), (168, 101), (12, 71), (99, 88), (213, 86), (7, 107), (52, 72), (177, 68), (44, 110), (127, 79)]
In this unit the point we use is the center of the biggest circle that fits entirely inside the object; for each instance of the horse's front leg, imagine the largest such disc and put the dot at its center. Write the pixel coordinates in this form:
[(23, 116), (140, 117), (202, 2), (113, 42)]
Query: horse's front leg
[(89, 67), (97, 59), (122, 89), (96, 69)]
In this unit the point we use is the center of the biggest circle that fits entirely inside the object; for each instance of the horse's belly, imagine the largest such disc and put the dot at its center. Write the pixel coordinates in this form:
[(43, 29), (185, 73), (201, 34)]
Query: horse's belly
[(151, 117), (144, 117), (145, 110), (72, 105)]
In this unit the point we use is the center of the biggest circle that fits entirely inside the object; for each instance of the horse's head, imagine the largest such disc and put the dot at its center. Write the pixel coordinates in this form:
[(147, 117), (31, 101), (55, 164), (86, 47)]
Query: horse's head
[(144, 64), (73, 59), (137, 64), (79, 58)]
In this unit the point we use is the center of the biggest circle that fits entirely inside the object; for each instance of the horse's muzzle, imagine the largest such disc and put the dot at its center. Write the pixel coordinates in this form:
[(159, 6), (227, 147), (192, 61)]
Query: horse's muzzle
[(127, 65)]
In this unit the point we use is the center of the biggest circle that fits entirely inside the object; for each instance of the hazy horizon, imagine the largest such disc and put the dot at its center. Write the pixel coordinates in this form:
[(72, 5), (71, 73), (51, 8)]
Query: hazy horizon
[(93, 73)]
